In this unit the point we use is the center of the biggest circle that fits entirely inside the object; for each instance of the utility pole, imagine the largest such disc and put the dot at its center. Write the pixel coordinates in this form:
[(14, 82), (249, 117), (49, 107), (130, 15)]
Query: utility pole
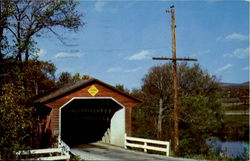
[(175, 79)]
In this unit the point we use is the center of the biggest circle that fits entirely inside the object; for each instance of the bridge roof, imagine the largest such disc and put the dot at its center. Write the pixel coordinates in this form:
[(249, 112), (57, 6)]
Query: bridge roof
[(69, 88)]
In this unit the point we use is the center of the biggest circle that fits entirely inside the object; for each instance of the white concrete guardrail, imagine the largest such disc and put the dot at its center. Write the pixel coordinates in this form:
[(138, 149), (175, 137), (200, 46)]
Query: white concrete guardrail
[(62, 149), (147, 144)]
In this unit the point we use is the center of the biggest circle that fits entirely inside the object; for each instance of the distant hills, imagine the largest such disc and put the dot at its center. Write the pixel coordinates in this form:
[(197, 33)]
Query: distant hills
[(245, 84)]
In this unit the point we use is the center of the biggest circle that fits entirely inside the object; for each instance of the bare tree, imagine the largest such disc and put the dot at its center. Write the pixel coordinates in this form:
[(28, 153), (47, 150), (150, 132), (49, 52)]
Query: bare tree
[(157, 89), (31, 18)]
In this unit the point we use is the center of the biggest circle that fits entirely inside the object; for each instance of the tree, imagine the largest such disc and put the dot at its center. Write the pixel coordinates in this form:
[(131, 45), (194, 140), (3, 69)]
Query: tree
[(21, 75), (41, 76), (64, 78), (36, 78), (5, 12), (122, 88), (201, 109), (18, 122), (200, 112), (76, 77), (157, 90), (85, 77), (31, 18), (15, 121)]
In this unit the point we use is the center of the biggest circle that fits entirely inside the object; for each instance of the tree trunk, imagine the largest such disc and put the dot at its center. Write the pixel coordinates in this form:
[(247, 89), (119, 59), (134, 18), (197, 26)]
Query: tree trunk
[(19, 41), (36, 88), (1, 42), (160, 116), (27, 54), (3, 24), (1, 32)]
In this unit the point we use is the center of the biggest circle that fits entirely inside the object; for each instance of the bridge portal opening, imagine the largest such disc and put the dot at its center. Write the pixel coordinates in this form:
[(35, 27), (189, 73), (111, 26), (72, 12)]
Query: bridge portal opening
[(89, 120)]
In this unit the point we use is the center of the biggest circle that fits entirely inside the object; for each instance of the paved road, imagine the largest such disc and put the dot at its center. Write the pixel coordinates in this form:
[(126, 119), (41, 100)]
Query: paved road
[(101, 151)]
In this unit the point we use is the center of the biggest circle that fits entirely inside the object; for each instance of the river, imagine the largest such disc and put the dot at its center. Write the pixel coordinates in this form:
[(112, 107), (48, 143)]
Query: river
[(232, 139)]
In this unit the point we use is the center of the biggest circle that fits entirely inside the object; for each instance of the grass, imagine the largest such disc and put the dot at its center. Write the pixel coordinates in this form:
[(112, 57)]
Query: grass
[(236, 120), (234, 128), (75, 158)]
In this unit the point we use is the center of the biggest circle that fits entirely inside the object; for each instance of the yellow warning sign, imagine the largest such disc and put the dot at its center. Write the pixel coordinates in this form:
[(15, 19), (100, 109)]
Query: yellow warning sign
[(93, 90)]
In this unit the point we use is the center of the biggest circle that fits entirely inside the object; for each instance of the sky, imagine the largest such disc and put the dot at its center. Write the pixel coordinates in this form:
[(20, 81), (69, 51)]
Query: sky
[(120, 38)]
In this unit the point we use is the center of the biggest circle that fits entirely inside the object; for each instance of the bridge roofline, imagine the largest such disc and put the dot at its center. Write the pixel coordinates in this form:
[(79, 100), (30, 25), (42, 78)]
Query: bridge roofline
[(73, 86)]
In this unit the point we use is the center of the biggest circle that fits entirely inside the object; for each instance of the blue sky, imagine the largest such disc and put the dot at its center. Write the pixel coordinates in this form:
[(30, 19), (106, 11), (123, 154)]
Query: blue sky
[(120, 38)]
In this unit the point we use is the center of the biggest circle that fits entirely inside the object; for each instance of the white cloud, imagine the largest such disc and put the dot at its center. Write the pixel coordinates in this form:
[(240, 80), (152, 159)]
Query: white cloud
[(239, 53), (119, 69), (199, 53), (246, 68), (236, 36), (41, 52), (69, 54), (225, 67), (213, 0), (133, 70), (144, 54), (114, 69), (99, 5)]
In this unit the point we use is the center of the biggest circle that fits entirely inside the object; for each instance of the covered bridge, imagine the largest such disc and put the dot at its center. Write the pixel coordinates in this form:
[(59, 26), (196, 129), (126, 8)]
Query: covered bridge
[(87, 111)]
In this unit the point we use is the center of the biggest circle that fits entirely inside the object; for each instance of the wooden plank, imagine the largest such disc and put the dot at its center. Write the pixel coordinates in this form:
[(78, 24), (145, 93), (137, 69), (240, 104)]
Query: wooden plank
[(146, 147), (147, 140), (62, 157), (39, 151), (156, 148), (135, 145)]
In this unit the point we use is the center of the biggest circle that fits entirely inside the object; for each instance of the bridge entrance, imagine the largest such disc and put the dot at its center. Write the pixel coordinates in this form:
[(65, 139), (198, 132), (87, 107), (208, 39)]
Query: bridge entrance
[(87, 120)]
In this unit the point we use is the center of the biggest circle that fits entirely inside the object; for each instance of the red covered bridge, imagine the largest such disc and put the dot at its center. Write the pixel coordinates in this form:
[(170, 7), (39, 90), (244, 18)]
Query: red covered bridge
[(87, 111)]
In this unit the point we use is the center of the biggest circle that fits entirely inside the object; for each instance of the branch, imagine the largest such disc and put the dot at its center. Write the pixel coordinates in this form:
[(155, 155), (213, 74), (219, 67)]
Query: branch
[(24, 9), (12, 32), (57, 36), (164, 108)]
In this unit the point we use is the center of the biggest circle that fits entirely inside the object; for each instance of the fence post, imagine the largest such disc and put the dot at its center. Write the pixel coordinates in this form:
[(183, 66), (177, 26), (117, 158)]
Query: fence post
[(125, 140), (145, 147), (168, 149)]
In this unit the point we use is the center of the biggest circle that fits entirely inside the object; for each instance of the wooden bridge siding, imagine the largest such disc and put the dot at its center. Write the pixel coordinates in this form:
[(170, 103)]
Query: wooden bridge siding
[(83, 92)]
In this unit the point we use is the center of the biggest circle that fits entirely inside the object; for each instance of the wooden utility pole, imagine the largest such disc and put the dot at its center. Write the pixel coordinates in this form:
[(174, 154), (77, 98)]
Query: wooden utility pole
[(175, 79)]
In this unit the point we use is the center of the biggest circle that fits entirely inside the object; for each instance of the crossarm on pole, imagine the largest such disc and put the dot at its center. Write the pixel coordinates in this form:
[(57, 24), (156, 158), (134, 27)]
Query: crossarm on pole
[(177, 59)]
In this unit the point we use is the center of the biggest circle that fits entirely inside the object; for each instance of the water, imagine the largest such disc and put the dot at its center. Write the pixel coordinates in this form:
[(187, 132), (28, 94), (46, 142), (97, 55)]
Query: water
[(232, 141), (234, 148), (229, 148)]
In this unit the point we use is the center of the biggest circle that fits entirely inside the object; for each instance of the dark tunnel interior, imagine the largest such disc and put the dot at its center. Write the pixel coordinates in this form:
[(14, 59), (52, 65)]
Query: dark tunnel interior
[(86, 120)]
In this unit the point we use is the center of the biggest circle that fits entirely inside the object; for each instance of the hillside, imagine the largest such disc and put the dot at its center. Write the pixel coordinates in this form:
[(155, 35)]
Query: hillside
[(245, 84)]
